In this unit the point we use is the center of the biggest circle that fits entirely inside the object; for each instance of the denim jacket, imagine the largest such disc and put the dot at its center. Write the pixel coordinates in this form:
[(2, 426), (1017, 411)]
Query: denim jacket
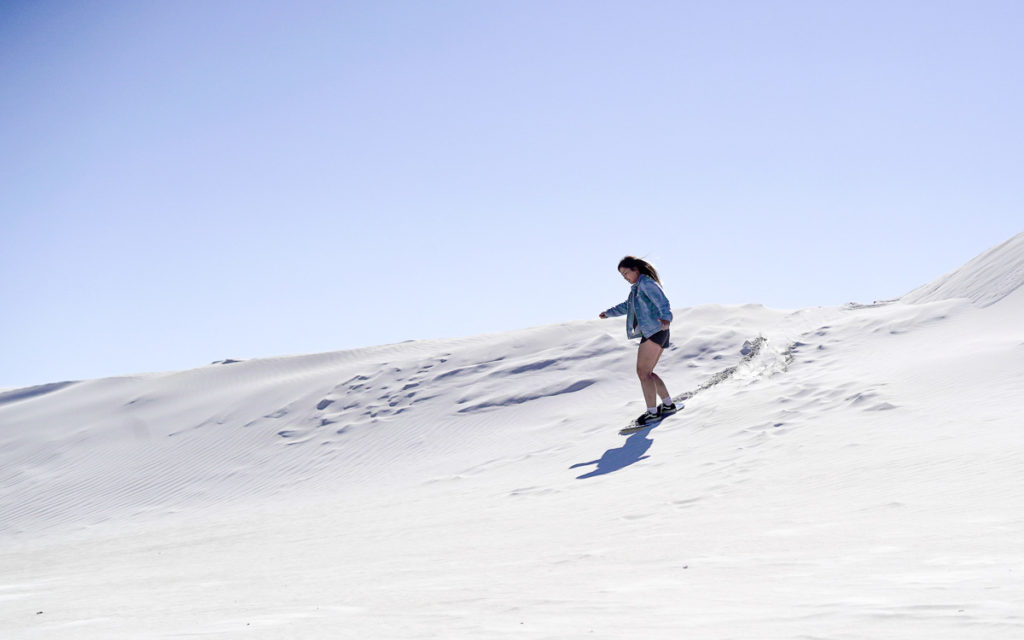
[(644, 309)]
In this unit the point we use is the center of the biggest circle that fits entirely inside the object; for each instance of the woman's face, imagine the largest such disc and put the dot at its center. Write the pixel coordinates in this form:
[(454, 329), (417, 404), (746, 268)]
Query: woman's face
[(631, 275)]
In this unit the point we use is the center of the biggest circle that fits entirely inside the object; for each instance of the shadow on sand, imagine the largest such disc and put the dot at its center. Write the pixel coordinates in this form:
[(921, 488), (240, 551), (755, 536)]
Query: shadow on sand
[(630, 452)]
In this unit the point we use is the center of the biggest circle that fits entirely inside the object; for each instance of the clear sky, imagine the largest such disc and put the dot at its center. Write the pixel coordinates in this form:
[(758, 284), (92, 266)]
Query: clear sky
[(188, 181)]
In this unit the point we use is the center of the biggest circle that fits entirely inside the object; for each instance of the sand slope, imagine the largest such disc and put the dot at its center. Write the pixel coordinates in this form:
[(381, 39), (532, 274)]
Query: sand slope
[(856, 477), (985, 280)]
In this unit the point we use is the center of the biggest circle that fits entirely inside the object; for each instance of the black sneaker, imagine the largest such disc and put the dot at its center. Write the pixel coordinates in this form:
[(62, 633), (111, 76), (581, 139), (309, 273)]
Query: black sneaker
[(667, 409), (647, 418)]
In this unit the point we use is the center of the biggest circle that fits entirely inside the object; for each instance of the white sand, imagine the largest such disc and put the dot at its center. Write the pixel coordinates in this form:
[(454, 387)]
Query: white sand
[(860, 477)]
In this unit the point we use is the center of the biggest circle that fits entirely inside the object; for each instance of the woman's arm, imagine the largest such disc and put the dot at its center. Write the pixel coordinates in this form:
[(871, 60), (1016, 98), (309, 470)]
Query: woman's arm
[(655, 294), (618, 310)]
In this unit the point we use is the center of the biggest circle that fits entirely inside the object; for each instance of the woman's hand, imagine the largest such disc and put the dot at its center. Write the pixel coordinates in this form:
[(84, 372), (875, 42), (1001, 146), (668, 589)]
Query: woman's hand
[(603, 315), (665, 324)]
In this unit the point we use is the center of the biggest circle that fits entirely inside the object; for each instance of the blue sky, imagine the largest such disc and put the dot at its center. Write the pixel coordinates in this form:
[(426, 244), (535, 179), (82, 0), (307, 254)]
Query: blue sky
[(184, 182)]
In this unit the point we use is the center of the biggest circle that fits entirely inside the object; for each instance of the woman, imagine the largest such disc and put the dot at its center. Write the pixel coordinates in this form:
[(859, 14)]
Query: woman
[(648, 315)]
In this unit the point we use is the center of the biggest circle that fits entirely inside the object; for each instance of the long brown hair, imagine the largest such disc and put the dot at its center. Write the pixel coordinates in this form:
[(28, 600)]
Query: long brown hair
[(644, 267)]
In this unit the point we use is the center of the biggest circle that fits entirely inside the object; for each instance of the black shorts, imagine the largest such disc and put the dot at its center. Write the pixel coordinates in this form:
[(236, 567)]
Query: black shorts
[(660, 338)]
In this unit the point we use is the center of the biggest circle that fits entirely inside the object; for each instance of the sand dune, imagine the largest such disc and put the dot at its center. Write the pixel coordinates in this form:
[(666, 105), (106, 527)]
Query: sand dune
[(846, 472)]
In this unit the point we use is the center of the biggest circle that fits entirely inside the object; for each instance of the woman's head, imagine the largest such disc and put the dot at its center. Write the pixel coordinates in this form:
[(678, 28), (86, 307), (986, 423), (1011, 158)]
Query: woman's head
[(632, 268)]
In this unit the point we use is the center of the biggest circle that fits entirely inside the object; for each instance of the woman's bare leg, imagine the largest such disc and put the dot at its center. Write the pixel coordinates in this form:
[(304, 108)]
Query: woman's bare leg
[(652, 385), (660, 386)]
